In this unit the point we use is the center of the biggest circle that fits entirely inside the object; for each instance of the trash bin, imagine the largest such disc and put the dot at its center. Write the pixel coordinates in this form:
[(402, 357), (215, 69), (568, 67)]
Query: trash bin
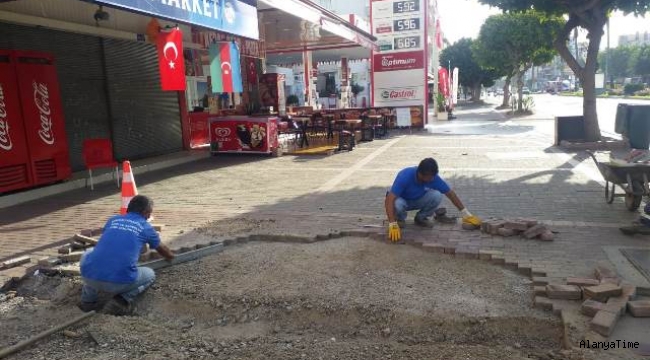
[(621, 125), (638, 123)]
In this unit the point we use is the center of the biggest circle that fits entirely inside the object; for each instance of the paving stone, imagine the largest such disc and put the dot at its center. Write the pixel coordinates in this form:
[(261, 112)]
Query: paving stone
[(604, 322), (535, 231), (628, 291), (66, 249), (565, 292), (12, 263), (49, 261), (525, 268), (506, 232), (450, 249), (543, 303), (611, 280), (71, 257), (488, 254), (603, 272), (434, 247), (492, 227), (547, 236), (582, 281), (518, 226), (466, 253), (591, 307), (538, 272), (602, 292), (511, 264), (540, 281), (639, 308), (498, 259), (529, 222), (69, 270), (470, 227), (618, 305), (85, 239), (539, 290), (594, 337)]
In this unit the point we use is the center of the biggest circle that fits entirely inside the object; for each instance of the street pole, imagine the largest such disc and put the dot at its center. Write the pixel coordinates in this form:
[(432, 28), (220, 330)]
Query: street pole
[(607, 55)]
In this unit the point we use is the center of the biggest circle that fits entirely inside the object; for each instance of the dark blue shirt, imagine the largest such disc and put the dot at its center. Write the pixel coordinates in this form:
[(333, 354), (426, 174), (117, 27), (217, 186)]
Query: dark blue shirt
[(407, 186), (115, 257)]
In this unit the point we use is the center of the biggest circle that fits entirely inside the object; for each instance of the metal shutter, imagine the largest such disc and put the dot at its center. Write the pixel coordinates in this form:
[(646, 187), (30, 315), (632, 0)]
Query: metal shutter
[(81, 78), (146, 120)]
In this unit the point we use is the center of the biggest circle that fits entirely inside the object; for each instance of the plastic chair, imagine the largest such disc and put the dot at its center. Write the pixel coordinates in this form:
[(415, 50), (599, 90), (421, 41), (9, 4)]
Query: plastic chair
[(97, 154)]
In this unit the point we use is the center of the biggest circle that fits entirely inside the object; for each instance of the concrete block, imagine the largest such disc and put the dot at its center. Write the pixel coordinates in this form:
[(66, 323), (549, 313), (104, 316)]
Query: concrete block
[(535, 231), (628, 291), (639, 308), (543, 303), (494, 226), (618, 305), (506, 232), (434, 247), (603, 272), (603, 292), (582, 282), (71, 257), (517, 225), (85, 239), (591, 307), (540, 281), (49, 261), (604, 322), (12, 263), (547, 236), (539, 290), (564, 292)]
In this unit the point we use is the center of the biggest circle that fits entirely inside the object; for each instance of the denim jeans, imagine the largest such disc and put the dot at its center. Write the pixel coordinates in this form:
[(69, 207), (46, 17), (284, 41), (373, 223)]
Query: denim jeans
[(427, 205), (129, 292)]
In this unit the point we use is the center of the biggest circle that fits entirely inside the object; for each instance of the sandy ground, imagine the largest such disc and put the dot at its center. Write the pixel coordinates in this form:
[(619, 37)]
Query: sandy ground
[(339, 299)]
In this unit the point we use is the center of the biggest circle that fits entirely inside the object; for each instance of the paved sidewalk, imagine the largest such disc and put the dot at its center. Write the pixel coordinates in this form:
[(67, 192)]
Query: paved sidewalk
[(502, 169)]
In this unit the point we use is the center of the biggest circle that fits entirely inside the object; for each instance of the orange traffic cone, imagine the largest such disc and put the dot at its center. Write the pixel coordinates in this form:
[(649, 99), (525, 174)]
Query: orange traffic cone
[(129, 190)]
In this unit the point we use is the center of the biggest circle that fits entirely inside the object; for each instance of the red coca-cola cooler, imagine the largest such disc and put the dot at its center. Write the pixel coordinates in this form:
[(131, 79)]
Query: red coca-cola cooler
[(15, 170), (242, 134), (38, 86)]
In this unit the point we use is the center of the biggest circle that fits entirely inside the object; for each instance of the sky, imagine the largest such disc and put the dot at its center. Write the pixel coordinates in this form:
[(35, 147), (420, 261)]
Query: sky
[(463, 18)]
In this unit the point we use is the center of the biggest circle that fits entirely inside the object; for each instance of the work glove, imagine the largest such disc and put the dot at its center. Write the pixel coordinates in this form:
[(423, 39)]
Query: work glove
[(468, 218), (394, 233)]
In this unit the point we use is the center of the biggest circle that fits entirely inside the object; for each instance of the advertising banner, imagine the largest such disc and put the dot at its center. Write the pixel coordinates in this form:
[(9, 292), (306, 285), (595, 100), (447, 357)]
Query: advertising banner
[(399, 66), (237, 17)]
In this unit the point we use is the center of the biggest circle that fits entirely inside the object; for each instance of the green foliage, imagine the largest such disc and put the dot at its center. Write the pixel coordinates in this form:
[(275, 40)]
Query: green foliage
[(562, 7), (471, 73), (292, 100), (529, 104), (512, 42), (440, 102), (642, 61), (627, 61), (630, 89)]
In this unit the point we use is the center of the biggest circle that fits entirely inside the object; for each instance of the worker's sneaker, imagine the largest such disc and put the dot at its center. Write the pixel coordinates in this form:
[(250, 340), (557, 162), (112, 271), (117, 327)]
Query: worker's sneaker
[(87, 307), (426, 223), (401, 223), (118, 306)]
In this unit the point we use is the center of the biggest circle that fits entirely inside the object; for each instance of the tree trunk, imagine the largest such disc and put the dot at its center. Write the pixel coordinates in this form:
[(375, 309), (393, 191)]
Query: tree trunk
[(520, 91), (476, 92), (506, 92)]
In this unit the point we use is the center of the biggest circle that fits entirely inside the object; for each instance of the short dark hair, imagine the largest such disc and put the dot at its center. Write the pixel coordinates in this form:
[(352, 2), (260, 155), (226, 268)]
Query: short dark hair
[(428, 166), (140, 204)]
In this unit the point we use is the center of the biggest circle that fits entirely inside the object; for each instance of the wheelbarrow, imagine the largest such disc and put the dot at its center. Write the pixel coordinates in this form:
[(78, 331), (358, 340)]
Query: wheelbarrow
[(632, 178)]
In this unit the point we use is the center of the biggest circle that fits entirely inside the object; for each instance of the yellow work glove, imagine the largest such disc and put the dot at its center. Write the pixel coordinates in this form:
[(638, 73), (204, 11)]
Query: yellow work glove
[(394, 233), (468, 218)]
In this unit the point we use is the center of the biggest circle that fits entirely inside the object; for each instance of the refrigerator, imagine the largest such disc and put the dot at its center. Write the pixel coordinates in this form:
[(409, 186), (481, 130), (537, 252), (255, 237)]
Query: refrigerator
[(243, 134)]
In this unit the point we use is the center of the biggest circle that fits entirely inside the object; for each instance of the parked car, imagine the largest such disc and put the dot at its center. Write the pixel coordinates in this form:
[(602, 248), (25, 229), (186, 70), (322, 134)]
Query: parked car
[(525, 91), (499, 92)]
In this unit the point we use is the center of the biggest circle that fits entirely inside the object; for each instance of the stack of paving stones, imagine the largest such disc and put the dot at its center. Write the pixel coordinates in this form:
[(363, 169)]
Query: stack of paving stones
[(605, 298), (526, 228)]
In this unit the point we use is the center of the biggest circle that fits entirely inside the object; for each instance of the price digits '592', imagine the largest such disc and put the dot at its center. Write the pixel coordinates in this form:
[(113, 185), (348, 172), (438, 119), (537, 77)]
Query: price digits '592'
[(407, 42), (406, 6), (406, 24)]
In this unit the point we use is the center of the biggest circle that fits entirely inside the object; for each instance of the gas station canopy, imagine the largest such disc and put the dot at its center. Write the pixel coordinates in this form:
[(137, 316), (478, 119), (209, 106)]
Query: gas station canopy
[(300, 25)]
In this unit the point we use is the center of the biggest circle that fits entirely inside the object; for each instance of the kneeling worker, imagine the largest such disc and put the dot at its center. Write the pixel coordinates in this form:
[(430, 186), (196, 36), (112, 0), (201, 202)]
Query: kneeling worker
[(420, 188), (112, 266)]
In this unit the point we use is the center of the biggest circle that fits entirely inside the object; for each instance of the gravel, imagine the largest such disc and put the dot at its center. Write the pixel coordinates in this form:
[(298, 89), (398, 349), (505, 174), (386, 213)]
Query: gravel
[(339, 299)]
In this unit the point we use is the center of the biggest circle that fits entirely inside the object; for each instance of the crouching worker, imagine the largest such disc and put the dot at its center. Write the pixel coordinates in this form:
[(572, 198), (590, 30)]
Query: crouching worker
[(112, 266)]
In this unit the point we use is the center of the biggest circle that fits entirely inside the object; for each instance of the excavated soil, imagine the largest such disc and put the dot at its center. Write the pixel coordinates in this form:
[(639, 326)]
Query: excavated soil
[(339, 299)]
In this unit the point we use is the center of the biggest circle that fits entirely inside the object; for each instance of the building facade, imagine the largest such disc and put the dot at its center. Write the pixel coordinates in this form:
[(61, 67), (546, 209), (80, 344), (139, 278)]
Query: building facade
[(638, 39)]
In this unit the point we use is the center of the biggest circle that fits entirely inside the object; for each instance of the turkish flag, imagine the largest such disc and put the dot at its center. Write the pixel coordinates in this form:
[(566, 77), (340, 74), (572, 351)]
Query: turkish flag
[(251, 70), (443, 81), (171, 61)]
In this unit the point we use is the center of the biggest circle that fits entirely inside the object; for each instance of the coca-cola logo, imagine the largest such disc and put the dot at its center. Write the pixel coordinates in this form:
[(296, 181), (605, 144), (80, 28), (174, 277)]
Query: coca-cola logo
[(391, 62), (399, 94), (42, 102), (222, 132), (5, 138)]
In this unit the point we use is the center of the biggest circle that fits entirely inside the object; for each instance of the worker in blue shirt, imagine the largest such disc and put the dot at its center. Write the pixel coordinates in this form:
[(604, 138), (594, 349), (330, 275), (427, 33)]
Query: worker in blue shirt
[(420, 188), (112, 266)]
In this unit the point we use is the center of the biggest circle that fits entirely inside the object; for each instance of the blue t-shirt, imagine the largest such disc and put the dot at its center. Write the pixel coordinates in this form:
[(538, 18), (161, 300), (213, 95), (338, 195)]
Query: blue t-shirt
[(407, 186), (115, 257)]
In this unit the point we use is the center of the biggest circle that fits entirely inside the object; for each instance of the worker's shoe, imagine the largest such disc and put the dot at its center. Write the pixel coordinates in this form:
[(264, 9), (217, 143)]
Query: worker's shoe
[(88, 307), (425, 223), (118, 306), (401, 223)]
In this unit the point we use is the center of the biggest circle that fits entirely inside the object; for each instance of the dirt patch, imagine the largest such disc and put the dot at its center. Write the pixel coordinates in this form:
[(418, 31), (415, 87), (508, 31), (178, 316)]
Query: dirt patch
[(339, 299)]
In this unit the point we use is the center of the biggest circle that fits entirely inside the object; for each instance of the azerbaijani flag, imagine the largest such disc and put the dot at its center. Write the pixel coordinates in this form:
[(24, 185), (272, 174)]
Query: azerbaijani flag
[(225, 68)]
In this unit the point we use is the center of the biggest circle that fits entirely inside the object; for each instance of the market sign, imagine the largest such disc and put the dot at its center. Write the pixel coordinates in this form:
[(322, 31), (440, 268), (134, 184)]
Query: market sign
[(237, 17)]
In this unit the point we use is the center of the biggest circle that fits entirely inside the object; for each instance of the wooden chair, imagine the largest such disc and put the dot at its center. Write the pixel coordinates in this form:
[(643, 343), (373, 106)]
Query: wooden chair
[(97, 154)]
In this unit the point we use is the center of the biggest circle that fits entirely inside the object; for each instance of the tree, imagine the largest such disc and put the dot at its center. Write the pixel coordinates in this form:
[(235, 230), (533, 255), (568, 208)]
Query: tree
[(591, 15), (471, 74), (642, 62), (512, 43), (620, 62)]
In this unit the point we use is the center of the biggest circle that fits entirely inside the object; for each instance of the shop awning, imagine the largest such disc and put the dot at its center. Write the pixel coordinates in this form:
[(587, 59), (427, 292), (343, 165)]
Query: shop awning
[(297, 25)]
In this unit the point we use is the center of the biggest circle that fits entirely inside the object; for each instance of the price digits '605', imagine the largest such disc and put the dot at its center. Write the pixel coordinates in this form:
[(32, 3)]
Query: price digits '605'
[(406, 24), (406, 6), (407, 42)]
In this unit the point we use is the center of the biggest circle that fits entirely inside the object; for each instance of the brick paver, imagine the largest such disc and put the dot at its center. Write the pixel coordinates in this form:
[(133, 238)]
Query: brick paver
[(509, 175)]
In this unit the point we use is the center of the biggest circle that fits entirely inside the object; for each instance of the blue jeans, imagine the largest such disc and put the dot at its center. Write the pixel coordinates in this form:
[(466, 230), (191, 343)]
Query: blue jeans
[(129, 292), (427, 205)]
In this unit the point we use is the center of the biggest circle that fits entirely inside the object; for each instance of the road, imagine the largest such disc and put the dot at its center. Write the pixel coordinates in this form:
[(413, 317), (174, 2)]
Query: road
[(550, 106)]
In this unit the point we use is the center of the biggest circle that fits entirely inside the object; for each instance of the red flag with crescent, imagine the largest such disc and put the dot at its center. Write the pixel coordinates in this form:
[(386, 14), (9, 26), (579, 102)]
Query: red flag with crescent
[(170, 60), (443, 81)]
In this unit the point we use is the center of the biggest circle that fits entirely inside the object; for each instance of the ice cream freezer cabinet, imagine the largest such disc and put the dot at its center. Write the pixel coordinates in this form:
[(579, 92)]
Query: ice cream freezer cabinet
[(243, 134)]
